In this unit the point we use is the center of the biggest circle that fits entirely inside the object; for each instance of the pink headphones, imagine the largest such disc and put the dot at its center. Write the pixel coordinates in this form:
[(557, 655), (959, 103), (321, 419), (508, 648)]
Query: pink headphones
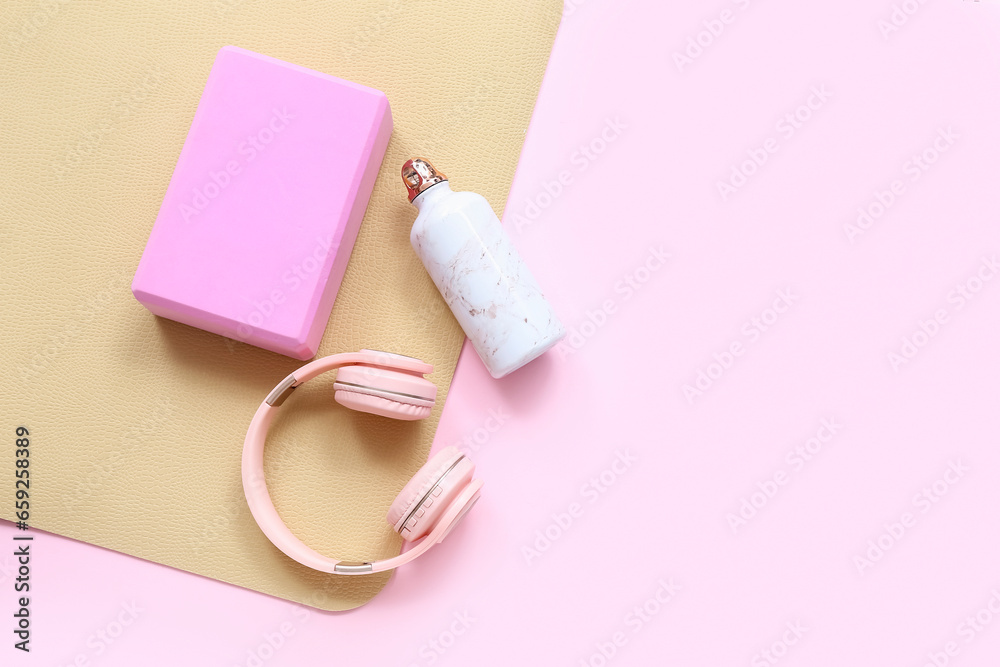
[(390, 385)]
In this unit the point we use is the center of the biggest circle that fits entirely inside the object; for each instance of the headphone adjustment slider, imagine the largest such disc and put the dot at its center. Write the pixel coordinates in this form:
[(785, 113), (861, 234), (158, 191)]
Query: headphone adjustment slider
[(352, 568), (282, 391)]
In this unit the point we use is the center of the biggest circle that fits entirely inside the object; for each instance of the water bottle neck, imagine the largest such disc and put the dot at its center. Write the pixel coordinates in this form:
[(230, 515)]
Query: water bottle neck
[(432, 194)]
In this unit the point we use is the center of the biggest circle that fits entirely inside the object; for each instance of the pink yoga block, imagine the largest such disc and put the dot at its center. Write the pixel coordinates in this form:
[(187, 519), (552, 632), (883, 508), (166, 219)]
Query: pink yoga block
[(258, 222)]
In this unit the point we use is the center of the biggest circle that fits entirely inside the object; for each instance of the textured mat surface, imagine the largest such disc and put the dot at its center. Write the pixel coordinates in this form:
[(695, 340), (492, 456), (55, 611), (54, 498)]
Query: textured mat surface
[(136, 423)]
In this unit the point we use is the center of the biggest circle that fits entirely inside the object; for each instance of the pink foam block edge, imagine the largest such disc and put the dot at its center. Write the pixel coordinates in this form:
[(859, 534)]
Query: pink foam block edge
[(257, 225)]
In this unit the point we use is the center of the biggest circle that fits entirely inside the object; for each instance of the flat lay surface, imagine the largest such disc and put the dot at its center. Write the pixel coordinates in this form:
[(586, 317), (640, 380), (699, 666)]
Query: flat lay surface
[(772, 231)]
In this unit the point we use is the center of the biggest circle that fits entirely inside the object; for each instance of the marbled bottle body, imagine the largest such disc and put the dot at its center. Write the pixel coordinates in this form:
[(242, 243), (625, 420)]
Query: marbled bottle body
[(483, 279)]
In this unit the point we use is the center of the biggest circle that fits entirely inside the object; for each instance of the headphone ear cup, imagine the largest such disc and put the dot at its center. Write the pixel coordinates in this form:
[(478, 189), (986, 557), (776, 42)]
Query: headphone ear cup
[(423, 500), (388, 392), (381, 406)]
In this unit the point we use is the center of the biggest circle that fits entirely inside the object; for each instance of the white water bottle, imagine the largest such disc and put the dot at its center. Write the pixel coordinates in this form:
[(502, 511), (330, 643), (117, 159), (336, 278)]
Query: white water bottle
[(479, 272)]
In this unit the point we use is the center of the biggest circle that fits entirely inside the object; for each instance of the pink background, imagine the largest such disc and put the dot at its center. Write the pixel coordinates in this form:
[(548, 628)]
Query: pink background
[(910, 459)]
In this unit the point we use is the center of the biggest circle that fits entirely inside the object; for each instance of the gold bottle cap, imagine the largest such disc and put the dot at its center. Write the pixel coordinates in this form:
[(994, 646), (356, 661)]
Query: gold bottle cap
[(419, 174)]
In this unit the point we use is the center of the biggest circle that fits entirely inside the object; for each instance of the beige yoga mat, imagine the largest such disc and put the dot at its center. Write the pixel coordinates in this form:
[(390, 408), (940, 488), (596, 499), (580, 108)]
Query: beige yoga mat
[(136, 423)]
